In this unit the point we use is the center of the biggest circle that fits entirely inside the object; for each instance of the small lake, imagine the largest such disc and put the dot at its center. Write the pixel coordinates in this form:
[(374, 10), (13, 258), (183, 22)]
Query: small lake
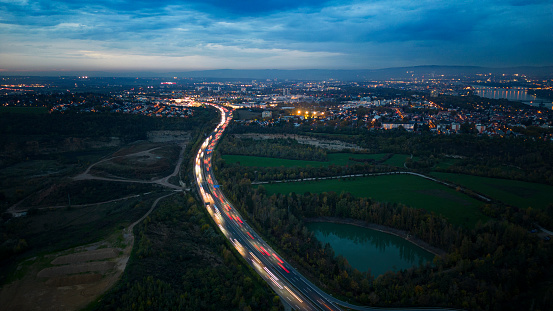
[(370, 249), (515, 94)]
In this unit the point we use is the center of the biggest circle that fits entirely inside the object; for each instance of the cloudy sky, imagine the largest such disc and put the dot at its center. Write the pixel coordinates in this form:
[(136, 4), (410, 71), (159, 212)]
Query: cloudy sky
[(168, 35)]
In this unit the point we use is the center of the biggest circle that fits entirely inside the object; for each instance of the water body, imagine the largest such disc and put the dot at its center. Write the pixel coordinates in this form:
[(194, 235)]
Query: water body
[(515, 94), (367, 249)]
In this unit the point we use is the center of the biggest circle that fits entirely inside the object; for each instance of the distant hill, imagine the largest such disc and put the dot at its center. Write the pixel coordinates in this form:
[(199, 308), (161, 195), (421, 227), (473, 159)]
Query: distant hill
[(312, 74)]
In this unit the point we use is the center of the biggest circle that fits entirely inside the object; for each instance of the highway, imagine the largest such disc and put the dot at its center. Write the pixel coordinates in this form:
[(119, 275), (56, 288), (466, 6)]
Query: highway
[(289, 284)]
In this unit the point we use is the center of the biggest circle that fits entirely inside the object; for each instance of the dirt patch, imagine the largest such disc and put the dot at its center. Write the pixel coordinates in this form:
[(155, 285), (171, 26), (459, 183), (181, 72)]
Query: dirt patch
[(98, 254), (74, 280), (143, 165), (167, 136), (135, 148), (321, 143), (74, 285), (102, 266), (444, 195)]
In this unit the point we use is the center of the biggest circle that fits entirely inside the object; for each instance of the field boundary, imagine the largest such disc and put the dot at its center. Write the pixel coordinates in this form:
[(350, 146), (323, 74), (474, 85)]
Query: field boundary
[(470, 193)]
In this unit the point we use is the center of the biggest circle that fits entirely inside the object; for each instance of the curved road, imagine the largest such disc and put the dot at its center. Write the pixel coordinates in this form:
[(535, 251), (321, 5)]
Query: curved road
[(289, 284)]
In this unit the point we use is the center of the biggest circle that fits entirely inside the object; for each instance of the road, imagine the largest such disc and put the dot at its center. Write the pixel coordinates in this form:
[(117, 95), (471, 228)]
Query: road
[(287, 282)]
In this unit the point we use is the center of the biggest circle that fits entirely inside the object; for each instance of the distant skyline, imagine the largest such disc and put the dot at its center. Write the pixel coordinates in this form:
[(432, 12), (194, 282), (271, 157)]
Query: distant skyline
[(163, 35)]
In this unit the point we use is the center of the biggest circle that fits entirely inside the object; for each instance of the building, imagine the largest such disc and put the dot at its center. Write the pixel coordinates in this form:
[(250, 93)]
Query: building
[(407, 126), (480, 128)]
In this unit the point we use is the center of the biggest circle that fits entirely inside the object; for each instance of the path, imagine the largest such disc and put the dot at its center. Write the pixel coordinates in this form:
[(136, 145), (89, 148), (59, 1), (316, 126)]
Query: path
[(71, 279), (164, 182), (128, 235), (86, 173), (161, 181)]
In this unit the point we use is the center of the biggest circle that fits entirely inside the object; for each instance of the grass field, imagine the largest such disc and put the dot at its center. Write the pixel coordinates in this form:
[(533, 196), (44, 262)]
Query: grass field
[(397, 160), (517, 193), (334, 158), (447, 162), (31, 110), (407, 189)]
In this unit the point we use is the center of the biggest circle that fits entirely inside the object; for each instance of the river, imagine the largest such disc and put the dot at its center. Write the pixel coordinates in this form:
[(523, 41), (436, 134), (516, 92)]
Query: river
[(367, 249), (514, 94)]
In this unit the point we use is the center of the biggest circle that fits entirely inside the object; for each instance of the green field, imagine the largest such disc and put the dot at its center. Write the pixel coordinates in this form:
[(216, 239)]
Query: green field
[(517, 193), (397, 160), (447, 162), (31, 110), (407, 189), (334, 158)]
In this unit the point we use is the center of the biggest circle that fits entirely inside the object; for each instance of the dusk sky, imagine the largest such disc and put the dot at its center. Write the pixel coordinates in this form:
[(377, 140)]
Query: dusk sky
[(164, 35)]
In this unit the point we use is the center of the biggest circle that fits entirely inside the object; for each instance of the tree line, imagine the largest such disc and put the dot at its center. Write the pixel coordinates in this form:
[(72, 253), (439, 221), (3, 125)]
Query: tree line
[(481, 155), (494, 266), (285, 148)]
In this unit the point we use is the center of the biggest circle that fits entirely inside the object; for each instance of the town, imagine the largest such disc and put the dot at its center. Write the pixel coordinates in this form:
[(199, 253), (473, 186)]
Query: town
[(441, 105)]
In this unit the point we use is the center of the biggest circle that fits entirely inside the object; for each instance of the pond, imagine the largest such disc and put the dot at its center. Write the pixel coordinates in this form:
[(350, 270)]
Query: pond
[(367, 249)]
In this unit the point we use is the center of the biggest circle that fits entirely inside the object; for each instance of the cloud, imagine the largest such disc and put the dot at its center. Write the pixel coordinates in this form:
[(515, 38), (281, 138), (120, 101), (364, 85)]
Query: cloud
[(281, 33), (16, 2)]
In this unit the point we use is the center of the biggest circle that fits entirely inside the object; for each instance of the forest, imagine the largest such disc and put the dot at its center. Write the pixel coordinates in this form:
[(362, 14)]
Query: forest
[(67, 142), (180, 262), (497, 265), (94, 125), (494, 266)]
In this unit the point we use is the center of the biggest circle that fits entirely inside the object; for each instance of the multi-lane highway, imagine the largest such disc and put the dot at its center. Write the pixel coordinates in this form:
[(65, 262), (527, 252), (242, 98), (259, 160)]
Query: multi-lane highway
[(298, 292), (289, 284)]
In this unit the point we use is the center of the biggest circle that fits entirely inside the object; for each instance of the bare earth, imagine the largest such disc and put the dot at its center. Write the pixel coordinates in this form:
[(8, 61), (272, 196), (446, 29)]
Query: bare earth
[(167, 136), (72, 280), (321, 143)]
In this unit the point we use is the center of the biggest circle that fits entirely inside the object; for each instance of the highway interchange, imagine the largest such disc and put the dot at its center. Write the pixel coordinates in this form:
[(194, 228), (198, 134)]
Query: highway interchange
[(290, 285)]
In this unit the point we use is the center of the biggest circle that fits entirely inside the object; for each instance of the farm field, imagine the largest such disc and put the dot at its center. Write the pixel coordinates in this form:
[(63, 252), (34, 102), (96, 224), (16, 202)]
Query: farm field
[(410, 190), (517, 193), (334, 158)]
